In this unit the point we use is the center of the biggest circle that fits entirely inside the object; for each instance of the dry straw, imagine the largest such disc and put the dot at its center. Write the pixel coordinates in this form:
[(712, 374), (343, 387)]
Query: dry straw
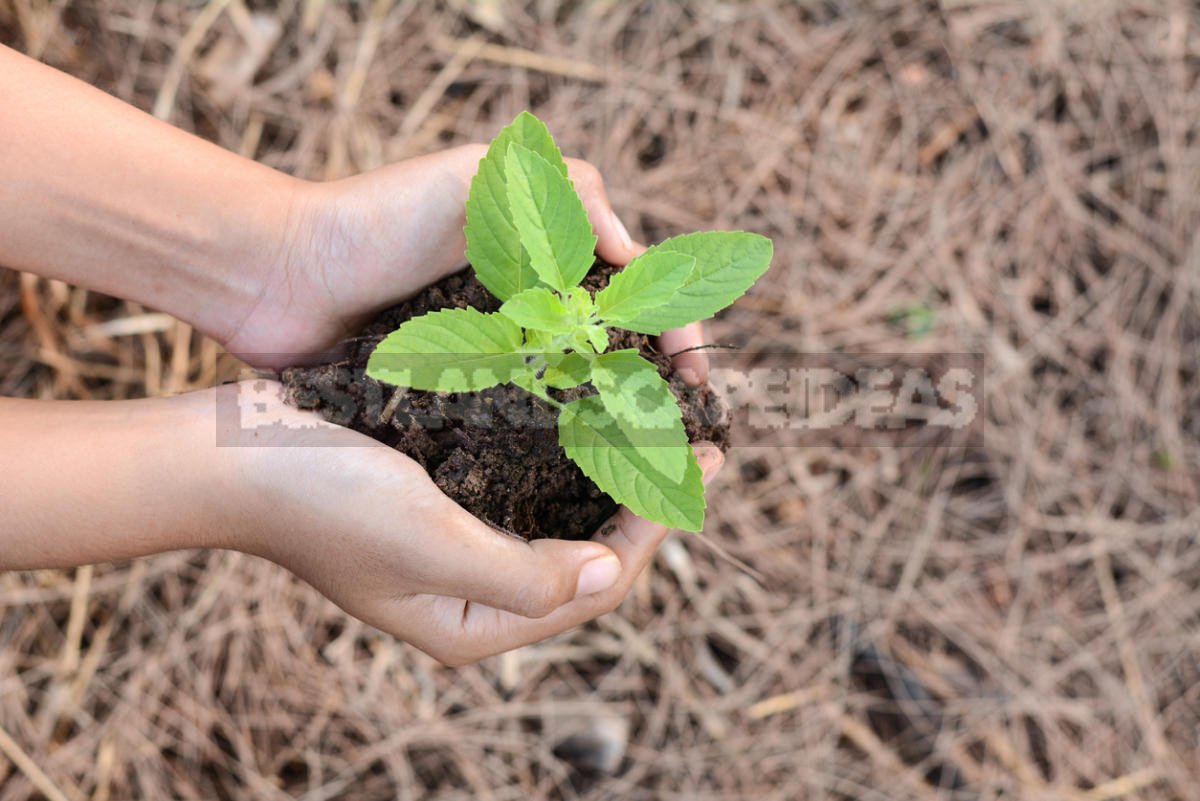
[(1018, 620)]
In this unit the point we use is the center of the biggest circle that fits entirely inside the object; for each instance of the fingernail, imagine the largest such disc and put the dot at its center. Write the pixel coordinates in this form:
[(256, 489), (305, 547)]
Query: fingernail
[(598, 575), (710, 458), (689, 376), (626, 239)]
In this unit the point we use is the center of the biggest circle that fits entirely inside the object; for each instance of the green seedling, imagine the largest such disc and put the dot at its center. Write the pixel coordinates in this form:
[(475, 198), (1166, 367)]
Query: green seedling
[(917, 320), (530, 243)]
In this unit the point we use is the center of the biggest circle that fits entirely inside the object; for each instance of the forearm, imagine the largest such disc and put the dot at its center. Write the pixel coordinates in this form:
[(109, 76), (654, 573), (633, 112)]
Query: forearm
[(86, 482), (100, 194)]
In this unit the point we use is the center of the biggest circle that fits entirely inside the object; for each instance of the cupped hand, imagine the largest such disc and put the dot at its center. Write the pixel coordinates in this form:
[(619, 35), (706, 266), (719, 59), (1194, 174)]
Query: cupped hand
[(358, 245), (368, 528), (365, 524)]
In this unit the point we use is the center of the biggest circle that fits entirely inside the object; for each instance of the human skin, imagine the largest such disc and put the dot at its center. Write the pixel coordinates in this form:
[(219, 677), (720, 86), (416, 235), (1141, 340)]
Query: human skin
[(278, 270)]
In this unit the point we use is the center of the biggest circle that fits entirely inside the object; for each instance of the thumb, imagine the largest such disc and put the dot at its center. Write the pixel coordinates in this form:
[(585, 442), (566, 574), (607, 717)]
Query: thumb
[(472, 561)]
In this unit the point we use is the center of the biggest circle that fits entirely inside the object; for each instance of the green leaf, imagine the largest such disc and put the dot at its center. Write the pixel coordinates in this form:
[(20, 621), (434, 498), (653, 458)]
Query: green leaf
[(452, 350), (567, 370), (493, 246), (531, 132), (727, 264), (917, 320), (647, 282), (549, 217), (539, 309), (598, 337), (641, 402), (593, 440), (538, 340), (528, 382), (579, 303)]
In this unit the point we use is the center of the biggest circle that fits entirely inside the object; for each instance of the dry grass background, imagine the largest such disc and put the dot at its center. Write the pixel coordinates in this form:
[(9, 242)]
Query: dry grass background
[(1020, 620)]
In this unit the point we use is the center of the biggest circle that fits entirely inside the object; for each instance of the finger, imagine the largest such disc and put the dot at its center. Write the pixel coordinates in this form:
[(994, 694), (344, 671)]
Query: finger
[(692, 366), (466, 559), (615, 246), (613, 242), (458, 633)]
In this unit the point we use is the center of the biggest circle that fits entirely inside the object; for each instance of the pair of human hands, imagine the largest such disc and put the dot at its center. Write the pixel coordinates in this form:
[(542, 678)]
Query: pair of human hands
[(365, 524), (279, 270)]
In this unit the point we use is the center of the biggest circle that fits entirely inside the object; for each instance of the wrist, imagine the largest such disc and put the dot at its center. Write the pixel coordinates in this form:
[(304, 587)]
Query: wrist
[(298, 299), (94, 482), (175, 470), (258, 252), (202, 468)]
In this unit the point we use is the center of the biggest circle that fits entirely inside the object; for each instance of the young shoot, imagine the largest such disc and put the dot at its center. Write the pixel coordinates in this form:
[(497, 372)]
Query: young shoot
[(530, 243)]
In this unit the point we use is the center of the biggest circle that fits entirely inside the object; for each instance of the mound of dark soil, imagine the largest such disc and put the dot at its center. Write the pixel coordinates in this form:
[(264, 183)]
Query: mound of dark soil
[(494, 452)]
